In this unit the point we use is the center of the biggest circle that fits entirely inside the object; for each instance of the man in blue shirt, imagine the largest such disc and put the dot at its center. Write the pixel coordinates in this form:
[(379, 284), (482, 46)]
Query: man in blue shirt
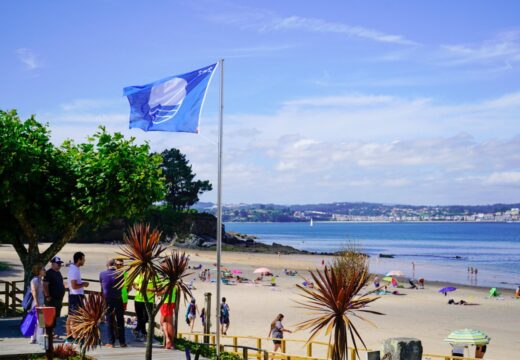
[(109, 280)]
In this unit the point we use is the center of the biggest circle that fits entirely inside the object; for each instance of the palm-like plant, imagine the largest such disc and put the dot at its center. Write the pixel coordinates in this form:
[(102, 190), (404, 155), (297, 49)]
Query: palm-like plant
[(85, 322), (335, 299), (144, 255)]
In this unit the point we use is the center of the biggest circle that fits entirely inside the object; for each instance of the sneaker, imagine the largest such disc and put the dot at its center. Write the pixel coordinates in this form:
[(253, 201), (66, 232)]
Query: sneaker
[(33, 341), (123, 345), (109, 346)]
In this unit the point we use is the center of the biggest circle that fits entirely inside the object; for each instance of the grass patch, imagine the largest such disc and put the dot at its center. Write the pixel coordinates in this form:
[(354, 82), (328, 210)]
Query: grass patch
[(206, 351)]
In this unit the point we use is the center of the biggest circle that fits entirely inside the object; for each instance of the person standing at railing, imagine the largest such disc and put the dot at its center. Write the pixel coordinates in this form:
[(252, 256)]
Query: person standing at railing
[(76, 290), (38, 296), (276, 331), (126, 287), (167, 312), (109, 280), (139, 303), (54, 288)]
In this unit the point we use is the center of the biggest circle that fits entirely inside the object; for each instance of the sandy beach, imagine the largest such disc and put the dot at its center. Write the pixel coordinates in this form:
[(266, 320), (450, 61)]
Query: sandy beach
[(424, 314)]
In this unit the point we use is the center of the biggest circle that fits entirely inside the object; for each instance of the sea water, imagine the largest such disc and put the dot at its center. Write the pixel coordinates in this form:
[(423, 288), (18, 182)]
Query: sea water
[(492, 248)]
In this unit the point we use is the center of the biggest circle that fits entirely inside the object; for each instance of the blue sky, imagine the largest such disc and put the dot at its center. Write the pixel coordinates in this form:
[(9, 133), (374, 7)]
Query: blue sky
[(387, 101)]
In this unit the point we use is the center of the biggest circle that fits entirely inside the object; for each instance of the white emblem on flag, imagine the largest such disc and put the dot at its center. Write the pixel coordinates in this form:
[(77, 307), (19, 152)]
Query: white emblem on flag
[(166, 99)]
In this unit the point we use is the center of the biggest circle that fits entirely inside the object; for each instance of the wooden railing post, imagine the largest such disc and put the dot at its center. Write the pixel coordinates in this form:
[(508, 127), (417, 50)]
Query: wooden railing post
[(309, 349), (6, 301), (235, 344), (259, 346), (196, 338), (213, 339), (244, 353), (284, 345), (13, 295), (353, 354)]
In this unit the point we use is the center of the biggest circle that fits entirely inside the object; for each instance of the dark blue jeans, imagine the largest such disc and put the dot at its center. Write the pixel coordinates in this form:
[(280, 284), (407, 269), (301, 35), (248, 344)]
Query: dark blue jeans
[(116, 321)]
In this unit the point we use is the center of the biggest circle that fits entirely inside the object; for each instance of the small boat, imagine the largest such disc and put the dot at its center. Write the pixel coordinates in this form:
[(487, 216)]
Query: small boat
[(311, 223), (390, 256)]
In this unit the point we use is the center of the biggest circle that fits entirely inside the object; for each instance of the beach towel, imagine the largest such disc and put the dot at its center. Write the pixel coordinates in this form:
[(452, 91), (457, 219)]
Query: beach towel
[(493, 292)]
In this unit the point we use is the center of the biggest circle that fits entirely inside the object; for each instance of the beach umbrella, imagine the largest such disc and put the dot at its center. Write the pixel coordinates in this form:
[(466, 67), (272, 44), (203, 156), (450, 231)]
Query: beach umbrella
[(262, 270), (388, 278), (467, 337), (236, 272), (447, 289), (395, 273)]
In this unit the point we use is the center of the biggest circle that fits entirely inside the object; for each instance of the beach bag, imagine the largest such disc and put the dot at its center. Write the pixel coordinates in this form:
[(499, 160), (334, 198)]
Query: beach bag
[(27, 299), (28, 325)]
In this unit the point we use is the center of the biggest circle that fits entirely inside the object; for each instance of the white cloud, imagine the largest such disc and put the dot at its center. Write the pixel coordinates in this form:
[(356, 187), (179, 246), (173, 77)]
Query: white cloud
[(267, 21), (503, 178), (28, 58), (323, 26), (505, 48), (371, 147)]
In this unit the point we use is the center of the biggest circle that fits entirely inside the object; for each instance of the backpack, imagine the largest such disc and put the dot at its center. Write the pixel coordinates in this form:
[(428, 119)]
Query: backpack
[(224, 312), (27, 299)]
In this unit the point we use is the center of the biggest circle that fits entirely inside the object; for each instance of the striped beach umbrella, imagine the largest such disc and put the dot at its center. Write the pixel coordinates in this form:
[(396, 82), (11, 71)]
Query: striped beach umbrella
[(468, 337)]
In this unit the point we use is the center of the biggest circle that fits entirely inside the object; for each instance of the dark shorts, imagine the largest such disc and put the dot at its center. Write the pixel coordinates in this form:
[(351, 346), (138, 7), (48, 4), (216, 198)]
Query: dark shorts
[(75, 301), (277, 342), (224, 320)]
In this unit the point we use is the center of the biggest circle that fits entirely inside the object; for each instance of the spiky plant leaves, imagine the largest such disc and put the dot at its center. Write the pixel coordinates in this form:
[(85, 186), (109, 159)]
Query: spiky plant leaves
[(141, 249), (85, 321), (333, 301), (173, 271)]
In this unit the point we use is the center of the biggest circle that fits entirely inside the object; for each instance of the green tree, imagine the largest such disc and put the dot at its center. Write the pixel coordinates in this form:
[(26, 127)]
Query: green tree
[(182, 190), (47, 192)]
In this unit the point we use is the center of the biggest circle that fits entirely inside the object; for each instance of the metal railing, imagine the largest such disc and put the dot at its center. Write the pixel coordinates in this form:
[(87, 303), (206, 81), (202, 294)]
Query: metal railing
[(310, 348)]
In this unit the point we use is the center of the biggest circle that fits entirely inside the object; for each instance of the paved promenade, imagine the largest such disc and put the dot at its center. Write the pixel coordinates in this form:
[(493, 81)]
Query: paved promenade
[(12, 343)]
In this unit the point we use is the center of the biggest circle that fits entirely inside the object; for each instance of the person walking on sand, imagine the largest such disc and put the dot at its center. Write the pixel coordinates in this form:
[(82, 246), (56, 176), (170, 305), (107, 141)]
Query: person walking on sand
[(276, 331), (54, 288), (224, 316), (38, 272), (76, 290), (191, 314), (109, 281)]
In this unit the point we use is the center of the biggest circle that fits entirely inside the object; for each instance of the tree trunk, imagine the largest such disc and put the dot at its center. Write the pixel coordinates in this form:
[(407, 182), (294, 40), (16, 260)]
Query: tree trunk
[(340, 348), (151, 328)]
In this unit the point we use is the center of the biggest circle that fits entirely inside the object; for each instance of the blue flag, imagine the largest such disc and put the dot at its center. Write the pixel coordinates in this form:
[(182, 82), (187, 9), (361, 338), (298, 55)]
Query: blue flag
[(171, 104)]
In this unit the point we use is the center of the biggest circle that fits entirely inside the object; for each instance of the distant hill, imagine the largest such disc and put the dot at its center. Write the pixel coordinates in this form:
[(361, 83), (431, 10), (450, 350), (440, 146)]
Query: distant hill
[(353, 211)]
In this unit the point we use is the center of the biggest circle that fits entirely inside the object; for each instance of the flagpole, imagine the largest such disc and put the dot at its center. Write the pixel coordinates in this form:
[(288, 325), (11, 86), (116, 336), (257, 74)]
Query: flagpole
[(219, 202)]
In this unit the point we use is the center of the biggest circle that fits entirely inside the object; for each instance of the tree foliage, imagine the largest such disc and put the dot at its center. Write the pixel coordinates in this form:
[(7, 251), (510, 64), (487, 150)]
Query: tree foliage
[(182, 190), (48, 192)]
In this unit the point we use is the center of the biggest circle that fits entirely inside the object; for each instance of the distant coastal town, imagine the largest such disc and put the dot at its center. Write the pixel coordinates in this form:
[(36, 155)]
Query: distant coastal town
[(365, 212)]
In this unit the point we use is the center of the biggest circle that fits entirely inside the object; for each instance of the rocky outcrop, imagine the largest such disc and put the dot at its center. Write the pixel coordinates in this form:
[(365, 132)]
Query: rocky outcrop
[(402, 349), (186, 230)]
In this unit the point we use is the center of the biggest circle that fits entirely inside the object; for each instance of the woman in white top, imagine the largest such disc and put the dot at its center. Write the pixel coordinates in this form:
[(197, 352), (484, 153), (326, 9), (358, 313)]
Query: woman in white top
[(38, 296)]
